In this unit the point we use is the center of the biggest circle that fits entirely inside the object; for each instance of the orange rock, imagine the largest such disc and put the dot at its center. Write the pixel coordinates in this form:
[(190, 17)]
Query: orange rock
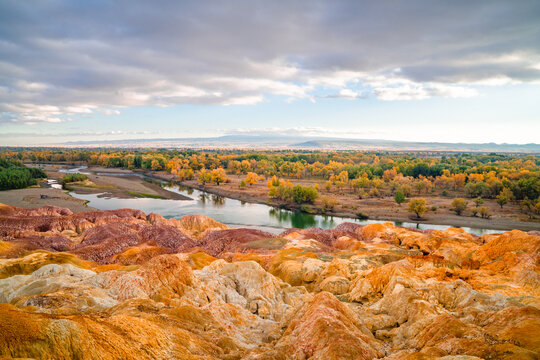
[(325, 328)]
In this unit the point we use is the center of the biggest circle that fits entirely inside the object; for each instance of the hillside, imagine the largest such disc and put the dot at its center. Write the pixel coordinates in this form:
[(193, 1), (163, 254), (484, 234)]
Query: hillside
[(125, 284), (317, 143)]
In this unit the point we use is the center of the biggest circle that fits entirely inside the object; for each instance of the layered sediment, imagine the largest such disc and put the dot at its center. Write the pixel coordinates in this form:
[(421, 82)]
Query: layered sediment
[(124, 284)]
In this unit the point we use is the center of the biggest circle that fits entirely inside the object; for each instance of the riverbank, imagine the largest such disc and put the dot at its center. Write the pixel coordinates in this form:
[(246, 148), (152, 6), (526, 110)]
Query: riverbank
[(119, 183), (37, 196), (384, 209), (127, 184)]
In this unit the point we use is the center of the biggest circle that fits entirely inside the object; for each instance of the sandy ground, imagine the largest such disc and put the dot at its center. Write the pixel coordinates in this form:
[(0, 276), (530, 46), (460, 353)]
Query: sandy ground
[(114, 186), (36, 197), (350, 205)]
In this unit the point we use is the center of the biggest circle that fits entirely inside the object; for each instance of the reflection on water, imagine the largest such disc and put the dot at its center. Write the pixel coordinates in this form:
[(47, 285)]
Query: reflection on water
[(301, 220), (218, 200), (235, 212), (205, 198), (75, 170), (54, 184)]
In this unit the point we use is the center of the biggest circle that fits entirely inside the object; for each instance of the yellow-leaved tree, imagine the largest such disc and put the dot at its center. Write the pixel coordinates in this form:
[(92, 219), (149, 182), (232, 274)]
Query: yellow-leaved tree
[(251, 178), (417, 206)]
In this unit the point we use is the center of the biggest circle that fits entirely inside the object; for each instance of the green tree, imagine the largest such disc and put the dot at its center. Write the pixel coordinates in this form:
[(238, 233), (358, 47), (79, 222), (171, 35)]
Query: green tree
[(399, 197), (504, 197)]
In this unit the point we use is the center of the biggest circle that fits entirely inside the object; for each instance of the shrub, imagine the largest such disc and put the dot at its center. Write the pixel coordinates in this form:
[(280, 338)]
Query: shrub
[(362, 216), (75, 177), (282, 192), (304, 194), (306, 208), (328, 202), (459, 205), (407, 190), (374, 192), (530, 207), (485, 213)]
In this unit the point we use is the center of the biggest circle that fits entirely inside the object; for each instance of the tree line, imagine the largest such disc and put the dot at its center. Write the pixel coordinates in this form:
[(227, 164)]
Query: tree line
[(14, 175), (504, 177)]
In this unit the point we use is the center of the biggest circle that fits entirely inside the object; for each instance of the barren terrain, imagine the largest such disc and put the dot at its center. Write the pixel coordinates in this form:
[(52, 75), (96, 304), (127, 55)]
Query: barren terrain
[(125, 284)]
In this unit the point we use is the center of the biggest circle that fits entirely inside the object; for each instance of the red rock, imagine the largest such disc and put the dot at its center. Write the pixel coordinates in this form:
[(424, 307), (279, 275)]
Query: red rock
[(230, 240), (166, 236)]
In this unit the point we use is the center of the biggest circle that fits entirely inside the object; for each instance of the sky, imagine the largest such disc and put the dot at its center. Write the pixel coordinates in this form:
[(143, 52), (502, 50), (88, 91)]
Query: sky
[(429, 70)]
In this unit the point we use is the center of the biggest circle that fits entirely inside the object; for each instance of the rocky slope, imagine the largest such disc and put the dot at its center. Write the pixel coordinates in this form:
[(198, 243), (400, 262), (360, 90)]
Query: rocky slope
[(126, 285)]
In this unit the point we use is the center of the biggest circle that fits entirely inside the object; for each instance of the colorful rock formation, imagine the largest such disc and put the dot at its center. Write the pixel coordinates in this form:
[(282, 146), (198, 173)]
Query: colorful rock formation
[(125, 285)]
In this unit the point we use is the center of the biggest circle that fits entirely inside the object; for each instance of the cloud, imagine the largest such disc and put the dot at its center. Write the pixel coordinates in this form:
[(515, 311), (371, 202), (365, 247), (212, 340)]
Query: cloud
[(62, 59), (53, 135), (422, 91), (109, 112), (346, 94), (32, 114)]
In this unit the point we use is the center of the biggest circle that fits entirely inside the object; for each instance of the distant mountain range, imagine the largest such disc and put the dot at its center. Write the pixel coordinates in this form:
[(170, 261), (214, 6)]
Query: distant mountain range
[(307, 143)]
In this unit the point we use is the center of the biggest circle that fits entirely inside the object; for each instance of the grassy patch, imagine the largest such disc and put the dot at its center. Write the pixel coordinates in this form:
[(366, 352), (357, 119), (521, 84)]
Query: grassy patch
[(141, 195), (89, 184), (267, 244), (85, 184)]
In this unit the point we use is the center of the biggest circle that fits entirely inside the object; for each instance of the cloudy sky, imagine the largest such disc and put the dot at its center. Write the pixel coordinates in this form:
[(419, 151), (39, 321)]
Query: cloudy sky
[(457, 71)]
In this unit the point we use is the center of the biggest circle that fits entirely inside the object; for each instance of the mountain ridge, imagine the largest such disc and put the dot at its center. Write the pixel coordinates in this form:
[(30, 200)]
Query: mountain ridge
[(319, 143)]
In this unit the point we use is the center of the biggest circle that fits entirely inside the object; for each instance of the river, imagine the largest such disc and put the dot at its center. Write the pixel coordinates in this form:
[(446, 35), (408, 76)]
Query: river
[(232, 212)]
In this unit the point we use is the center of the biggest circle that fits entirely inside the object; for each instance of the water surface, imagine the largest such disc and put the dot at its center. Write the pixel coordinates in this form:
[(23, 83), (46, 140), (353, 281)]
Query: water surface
[(235, 212)]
